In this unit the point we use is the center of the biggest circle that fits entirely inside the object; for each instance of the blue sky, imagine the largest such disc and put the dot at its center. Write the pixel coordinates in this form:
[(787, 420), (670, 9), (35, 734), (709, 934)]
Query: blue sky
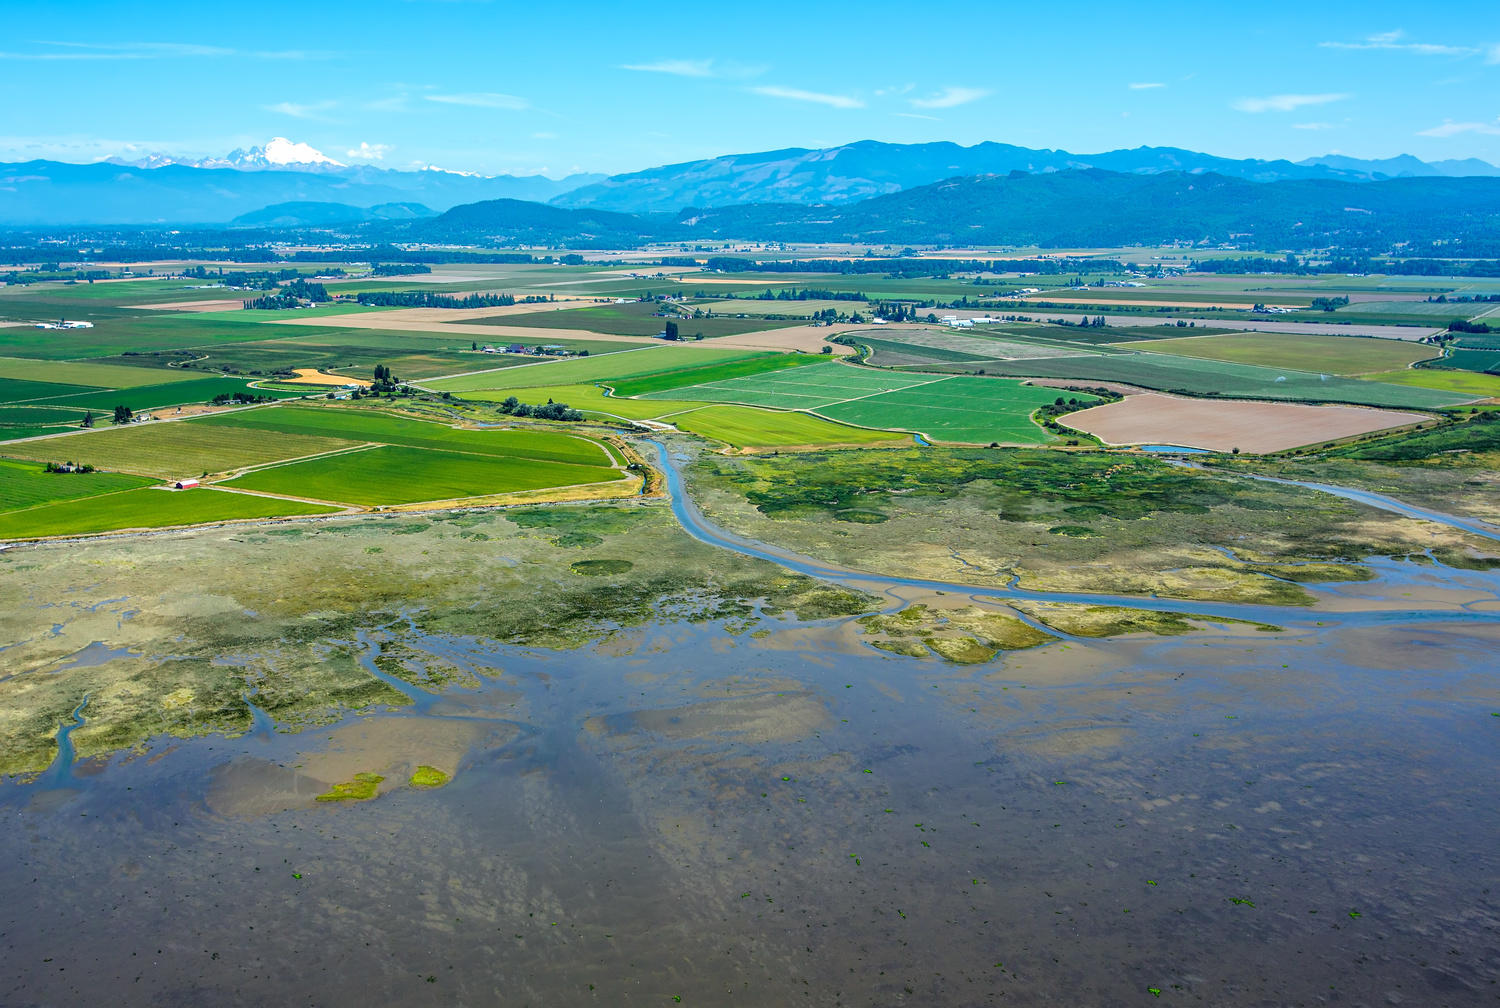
[(496, 86)]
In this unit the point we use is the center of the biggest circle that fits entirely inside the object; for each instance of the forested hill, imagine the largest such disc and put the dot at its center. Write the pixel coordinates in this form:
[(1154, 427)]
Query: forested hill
[(1070, 209), (1095, 207)]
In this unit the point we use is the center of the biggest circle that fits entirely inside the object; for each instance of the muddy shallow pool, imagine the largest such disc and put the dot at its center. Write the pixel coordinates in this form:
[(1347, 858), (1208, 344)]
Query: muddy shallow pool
[(693, 812)]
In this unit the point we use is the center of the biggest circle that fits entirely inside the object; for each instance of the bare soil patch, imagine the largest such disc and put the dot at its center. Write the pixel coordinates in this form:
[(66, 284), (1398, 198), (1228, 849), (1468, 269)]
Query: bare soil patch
[(312, 376), (1223, 426)]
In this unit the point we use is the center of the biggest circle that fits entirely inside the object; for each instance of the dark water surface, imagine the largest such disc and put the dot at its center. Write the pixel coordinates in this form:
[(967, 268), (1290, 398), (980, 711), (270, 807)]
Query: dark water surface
[(1228, 817)]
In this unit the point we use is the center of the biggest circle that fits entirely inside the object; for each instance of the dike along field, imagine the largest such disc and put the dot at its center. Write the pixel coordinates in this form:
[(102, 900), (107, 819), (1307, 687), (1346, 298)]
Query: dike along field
[(285, 460)]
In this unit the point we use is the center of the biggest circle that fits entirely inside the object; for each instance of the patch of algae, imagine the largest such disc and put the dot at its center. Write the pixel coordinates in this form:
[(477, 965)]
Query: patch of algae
[(966, 636), (1083, 620), (168, 634), (985, 517), (362, 788), (428, 777)]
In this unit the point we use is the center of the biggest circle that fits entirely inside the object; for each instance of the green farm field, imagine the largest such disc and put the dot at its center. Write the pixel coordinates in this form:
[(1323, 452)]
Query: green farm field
[(152, 397), (1471, 384), (147, 508), (38, 416), (28, 484), (16, 390), (749, 427), (1195, 376), (1473, 360), (91, 374), (1340, 355), (393, 474), (965, 409), (369, 426), (180, 449), (627, 364), (711, 373)]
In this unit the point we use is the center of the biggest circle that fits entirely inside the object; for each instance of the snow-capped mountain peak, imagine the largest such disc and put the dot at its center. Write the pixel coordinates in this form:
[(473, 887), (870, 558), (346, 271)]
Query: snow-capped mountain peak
[(281, 153)]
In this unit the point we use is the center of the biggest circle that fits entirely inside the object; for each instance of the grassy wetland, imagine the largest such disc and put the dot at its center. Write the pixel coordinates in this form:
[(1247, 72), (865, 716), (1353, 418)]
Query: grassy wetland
[(1062, 521)]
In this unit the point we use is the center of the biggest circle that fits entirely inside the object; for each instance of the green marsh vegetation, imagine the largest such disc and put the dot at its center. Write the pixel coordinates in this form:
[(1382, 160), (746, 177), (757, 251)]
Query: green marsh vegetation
[(197, 621), (982, 516)]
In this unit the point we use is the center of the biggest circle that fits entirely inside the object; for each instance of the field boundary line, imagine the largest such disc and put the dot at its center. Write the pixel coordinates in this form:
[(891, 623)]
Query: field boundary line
[(367, 446), (348, 508)]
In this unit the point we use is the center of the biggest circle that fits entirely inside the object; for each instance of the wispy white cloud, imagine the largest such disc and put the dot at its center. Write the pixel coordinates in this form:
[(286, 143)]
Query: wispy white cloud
[(1286, 102), (836, 101), (1314, 126), (1492, 53), (369, 152), (1449, 129), (680, 68), (914, 115), (949, 97), (481, 100), (1144, 87), (1397, 40), (299, 111)]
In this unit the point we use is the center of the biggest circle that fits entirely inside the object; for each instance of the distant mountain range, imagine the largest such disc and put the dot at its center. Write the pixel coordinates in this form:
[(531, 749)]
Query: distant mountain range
[(870, 168), (1076, 208), (254, 187), (305, 214)]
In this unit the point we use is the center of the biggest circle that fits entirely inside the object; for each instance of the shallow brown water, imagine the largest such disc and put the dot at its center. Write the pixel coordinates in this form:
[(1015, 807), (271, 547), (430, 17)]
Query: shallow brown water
[(1283, 818)]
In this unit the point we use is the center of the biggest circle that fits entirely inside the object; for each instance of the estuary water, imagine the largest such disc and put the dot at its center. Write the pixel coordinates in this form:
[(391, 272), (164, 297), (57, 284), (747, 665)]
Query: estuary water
[(771, 812)]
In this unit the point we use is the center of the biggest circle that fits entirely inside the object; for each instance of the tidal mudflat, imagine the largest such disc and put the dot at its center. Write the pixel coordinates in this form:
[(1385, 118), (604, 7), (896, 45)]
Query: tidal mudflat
[(572, 756)]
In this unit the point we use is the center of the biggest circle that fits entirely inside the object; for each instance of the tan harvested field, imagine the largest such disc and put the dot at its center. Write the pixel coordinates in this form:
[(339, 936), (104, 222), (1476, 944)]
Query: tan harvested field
[(312, 376), (808, 339), (1224, 426)]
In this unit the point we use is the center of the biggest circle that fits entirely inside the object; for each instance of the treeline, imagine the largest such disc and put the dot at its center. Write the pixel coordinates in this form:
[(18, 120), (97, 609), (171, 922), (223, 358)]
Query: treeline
[(398, 269), (426, 299), (810, 295), (1344, 264)]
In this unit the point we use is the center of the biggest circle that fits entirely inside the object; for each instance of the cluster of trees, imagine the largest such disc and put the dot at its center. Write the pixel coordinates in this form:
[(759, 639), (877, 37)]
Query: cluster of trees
[(69, 467), (123, 414), (398, 269), (271, 302), (898, 311), (427, 299), (548, 411), (1463, 298), (243, 398), (384, 380), (305, 291), (1329, 303), (1462, 326), (1097, 322)]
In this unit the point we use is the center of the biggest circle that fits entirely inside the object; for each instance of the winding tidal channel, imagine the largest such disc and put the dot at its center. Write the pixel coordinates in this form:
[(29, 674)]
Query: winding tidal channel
[(767, 811)]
